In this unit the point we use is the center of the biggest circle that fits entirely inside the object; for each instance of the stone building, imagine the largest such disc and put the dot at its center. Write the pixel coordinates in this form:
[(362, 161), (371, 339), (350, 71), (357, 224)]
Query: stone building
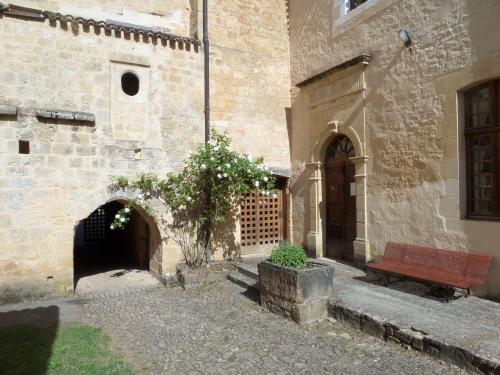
[(382, 140), (93, 89), (393, 142)]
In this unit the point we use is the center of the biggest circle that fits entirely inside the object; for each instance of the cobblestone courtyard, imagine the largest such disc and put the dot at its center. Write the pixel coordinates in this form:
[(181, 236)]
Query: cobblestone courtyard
[(217, 329)]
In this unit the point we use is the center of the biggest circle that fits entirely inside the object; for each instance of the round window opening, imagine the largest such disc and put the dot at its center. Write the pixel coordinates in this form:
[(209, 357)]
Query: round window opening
[(130, 84)]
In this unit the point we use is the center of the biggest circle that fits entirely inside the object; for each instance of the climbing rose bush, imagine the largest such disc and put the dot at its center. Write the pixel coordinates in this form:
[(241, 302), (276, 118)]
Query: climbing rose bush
[(201, 196)]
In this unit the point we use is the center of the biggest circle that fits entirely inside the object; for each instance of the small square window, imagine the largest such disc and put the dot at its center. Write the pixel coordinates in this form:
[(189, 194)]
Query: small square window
[(24, 147)]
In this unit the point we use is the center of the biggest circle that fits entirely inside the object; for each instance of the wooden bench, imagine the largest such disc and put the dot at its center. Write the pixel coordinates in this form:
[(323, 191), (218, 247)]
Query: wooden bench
[(442, 267)]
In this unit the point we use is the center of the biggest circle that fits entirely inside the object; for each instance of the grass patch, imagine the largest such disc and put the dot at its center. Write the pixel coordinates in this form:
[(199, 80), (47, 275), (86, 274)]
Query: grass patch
[(51, 350)]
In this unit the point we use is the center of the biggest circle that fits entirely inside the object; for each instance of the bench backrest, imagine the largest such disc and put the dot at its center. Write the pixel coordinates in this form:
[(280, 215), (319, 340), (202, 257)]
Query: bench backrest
[(470, 266), (477, 268)]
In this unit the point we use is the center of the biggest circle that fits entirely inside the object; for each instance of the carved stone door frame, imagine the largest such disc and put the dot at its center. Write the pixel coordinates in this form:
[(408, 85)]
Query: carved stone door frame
[(316, 237)]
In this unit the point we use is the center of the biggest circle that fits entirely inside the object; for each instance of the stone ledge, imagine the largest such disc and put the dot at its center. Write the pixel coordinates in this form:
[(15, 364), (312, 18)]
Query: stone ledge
[(8, 110), (66, 115), (411, 337)]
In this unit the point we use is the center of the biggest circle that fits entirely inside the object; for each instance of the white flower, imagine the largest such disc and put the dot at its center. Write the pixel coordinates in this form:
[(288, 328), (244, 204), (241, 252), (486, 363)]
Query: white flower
[(228, 165), (219, 175), (265, 168), (257, 183), (219, 168), (235, 161), (122, 219), (275, 195), (263, 193), (112, 227), (127, 210), (216, 148), (225, 174), (268, 193), (188, 199), (249, 156), (249, 171), (265, 179), (117, 216), (140, 196), (148, 194), (203, 167)]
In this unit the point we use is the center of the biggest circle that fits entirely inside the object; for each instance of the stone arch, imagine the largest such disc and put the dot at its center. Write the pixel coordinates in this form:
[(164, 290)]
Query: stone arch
[(316, 238), (150, 234), (334, 129)]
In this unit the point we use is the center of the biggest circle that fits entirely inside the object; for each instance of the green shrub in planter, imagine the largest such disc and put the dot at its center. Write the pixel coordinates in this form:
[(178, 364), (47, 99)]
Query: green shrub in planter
[(289, 255)]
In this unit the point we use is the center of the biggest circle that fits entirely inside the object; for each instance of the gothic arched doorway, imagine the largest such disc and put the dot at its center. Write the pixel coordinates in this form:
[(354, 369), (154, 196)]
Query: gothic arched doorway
[(340, 199), (98, 249)]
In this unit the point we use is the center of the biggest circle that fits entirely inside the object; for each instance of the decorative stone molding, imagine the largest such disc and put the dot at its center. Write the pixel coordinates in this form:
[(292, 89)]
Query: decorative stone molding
[(66, 115), (8, 110), (108, 25), (23, 12), (316, 240), (361, 59)]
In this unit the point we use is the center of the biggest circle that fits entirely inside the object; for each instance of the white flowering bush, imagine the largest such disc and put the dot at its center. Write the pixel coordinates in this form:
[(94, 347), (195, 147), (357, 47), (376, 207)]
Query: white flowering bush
[(203, 194)]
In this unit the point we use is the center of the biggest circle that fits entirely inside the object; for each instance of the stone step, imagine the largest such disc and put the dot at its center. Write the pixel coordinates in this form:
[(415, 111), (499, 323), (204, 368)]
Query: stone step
[(409, 336), (244, 281), (249, 270)]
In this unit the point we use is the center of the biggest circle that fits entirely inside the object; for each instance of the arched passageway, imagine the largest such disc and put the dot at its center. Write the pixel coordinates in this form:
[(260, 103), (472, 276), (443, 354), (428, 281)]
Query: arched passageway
[(340, 199), (98, 249)]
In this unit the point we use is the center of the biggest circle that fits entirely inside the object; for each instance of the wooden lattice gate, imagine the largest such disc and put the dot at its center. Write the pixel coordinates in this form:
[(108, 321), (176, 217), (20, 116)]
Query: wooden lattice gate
[(262, 222)]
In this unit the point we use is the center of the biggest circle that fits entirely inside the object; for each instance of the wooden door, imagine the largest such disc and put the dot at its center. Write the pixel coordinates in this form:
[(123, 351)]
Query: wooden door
[(340, 200)]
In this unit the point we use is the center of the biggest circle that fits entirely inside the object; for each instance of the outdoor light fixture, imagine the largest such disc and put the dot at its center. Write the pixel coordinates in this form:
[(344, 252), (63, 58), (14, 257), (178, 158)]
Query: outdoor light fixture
[(405, 37)]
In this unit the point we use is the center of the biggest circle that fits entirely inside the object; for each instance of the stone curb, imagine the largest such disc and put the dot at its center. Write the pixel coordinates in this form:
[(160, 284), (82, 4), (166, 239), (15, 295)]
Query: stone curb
[(411, 337)]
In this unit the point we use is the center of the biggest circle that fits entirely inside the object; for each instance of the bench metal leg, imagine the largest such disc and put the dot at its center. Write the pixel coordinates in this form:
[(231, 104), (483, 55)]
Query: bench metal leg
[(386, 279), (468, 293)]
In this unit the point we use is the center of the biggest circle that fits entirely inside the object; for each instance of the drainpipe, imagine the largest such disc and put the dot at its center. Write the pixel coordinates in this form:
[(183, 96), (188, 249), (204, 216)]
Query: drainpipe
[(206, 47)]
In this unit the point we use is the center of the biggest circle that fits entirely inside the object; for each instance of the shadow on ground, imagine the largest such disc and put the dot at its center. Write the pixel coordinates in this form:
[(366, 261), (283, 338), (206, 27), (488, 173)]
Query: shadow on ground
[(416, 288), (26, 340)]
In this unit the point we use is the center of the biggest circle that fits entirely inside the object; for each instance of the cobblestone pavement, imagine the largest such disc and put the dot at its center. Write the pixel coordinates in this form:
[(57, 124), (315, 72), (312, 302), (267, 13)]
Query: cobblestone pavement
[(216, 329)]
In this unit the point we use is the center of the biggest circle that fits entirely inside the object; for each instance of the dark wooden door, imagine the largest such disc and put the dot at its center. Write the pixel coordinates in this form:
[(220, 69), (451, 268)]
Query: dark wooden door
[(340, 200)]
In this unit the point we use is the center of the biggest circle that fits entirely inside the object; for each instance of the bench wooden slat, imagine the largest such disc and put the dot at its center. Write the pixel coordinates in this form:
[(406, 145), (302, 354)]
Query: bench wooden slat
[(451, 268)]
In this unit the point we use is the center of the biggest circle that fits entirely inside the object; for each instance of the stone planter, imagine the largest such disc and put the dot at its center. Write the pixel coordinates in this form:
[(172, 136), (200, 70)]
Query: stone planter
[(301, 295)]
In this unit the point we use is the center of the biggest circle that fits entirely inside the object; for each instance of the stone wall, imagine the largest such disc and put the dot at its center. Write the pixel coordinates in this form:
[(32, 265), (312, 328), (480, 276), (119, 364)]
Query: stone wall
[(49, 66), (251, 76), (409, 120)]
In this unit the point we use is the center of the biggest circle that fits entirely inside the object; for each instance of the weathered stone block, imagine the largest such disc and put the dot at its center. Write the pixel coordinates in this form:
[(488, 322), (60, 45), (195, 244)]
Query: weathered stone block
[(189, 278), (8, 110), (300, 295)]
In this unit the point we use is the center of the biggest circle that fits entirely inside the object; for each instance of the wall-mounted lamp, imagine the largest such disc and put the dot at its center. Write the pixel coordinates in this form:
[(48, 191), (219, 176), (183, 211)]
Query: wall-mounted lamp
[(405, 37)]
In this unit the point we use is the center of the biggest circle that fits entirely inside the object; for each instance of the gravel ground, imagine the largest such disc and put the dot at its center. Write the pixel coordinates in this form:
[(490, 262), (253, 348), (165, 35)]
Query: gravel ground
[(218, 329)]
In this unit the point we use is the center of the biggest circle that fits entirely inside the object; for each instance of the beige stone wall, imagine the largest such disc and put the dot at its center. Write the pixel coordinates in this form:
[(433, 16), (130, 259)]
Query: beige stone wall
[(409, 120), (250, 76), (66, 176)]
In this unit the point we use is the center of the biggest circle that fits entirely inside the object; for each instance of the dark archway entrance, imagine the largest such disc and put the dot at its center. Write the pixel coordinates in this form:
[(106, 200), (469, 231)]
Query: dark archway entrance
[(99, 249), (340, 199)]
